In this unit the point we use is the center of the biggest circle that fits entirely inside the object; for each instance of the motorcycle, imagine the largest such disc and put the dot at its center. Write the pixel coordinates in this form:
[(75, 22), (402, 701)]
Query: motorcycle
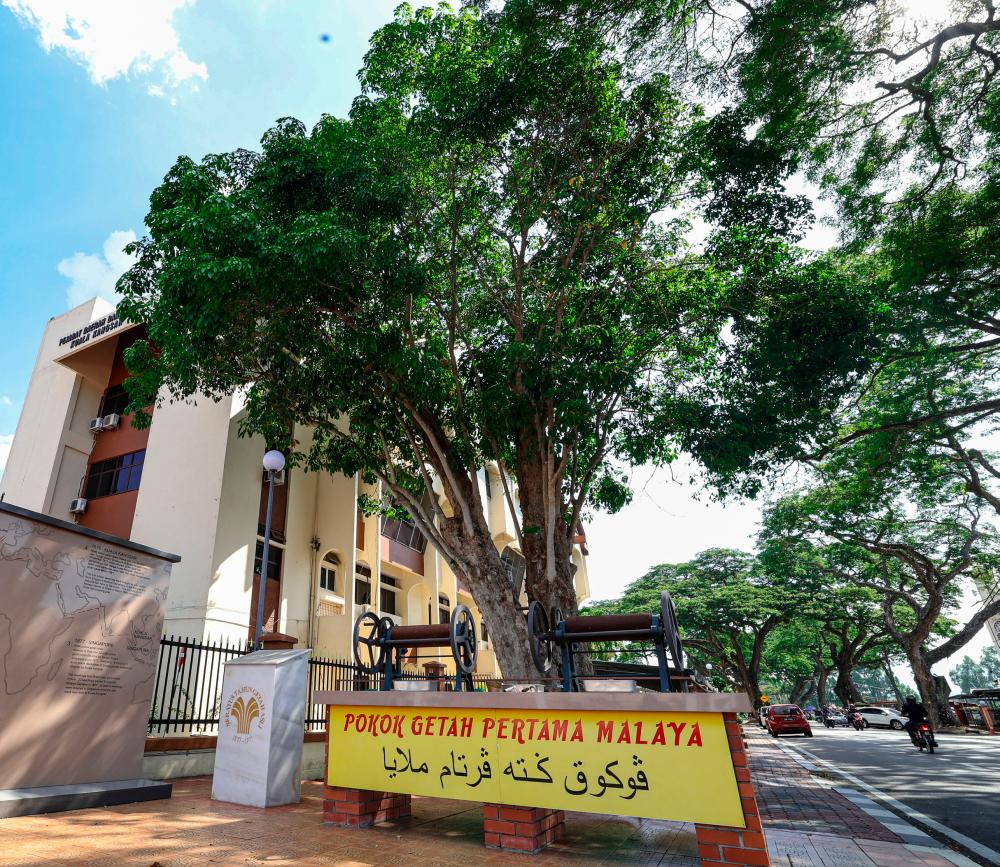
[(858, 721), (923, 738)]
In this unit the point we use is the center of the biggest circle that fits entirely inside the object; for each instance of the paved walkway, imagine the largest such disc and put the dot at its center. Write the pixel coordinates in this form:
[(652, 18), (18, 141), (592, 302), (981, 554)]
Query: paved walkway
[(791, 798), (808, 824)]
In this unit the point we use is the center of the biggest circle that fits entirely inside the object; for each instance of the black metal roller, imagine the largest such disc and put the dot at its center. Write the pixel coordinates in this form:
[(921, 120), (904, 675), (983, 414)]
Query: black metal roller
[(462, 634), (539, 636), (556, 617), (369, 630), (671, 634)]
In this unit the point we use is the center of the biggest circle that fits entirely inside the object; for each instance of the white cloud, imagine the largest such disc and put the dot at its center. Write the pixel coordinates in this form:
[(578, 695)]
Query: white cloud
[(5, 400), (5, 441), (115, 38), (93, 274)]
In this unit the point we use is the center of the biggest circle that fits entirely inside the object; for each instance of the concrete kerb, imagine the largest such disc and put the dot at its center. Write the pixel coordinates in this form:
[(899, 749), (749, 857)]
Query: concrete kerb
[(900, 820)]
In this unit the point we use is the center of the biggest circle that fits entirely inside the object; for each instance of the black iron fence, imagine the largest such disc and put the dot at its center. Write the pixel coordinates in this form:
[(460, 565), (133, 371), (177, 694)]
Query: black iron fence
[(187, 691)]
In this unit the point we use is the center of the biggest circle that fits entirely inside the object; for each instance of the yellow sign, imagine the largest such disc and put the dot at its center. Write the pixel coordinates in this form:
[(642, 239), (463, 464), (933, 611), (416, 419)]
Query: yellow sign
[(648, 765)]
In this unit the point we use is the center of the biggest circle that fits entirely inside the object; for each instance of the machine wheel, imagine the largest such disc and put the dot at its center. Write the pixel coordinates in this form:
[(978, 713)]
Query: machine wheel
[(556, 617), (539, 636), (671, 634), (369, 651), (462, 636), (896, 725)]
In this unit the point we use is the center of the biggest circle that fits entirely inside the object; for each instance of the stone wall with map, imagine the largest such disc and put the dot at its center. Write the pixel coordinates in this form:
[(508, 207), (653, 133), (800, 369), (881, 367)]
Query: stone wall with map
[(80, 621)]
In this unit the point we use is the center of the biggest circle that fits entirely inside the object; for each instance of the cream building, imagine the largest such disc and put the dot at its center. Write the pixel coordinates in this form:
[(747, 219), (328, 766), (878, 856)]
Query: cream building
[(190, 485)]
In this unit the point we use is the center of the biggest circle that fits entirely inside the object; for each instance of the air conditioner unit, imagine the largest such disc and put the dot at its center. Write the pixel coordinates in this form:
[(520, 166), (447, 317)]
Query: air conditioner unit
[(78, 506), (111, 421), (96, 425)]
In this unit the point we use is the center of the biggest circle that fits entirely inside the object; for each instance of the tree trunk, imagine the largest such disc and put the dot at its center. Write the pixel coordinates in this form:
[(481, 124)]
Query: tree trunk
[(925, 682), (752, 686), (487, 581), (844, 659), (550, 574), (942, 691), (893, 683), (845, 688), (822, 676), (801, 689)]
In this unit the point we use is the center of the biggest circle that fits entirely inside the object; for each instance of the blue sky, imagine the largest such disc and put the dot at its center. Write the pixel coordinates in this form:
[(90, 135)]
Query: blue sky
[(97, 107)]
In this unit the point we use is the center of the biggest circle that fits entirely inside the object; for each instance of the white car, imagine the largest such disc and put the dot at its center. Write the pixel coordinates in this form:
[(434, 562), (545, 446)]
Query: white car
[(882, 717)]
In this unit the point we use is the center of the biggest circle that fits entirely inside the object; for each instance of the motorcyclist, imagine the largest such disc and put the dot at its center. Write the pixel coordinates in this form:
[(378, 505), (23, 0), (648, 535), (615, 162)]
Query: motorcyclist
[(915, 714), (854, 718)]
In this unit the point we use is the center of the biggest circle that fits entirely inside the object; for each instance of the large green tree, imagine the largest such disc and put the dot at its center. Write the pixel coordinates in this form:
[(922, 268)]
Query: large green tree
[(729, 605), (895, 121), (915, 540), (486, 261)]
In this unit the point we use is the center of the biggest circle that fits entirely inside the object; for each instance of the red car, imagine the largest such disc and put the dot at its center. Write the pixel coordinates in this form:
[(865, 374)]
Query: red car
[(787, 719)]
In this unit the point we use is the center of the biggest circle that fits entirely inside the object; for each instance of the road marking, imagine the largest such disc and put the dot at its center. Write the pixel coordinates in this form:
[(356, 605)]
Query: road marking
[(985, 852)]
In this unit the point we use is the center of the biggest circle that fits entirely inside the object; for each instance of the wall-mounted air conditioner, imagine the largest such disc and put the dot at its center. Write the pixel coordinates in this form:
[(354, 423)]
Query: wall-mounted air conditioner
[(111, 421), (96, 425), (78, 506)]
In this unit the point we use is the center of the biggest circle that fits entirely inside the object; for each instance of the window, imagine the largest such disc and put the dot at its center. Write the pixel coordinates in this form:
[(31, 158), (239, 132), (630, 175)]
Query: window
[(328, 572), (488, 484), (482, 630), (115, 400), (362, 585), (444, 609), (514, 565), (404, 532), (115, 475), (274, 555), (387, 595)]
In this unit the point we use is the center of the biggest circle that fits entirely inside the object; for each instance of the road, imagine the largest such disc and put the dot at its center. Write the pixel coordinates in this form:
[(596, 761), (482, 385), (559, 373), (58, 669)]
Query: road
[(959, 785)]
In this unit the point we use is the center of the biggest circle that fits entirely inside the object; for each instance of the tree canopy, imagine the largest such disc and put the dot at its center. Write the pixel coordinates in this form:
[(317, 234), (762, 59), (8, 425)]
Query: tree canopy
[(488, 260)]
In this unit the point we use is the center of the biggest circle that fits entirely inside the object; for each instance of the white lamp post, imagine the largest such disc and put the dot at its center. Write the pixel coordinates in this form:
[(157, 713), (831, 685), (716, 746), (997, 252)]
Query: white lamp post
[(274, 462)]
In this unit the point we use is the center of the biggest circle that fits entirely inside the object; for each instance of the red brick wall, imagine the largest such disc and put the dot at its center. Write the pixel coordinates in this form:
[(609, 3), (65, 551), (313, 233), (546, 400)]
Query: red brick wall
[(737, 846)]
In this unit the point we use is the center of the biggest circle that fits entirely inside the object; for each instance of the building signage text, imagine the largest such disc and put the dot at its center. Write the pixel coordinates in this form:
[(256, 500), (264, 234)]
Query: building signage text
[(89, 332)]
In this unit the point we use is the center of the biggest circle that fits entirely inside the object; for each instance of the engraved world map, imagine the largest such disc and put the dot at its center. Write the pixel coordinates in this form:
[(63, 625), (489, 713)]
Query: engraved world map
[(80, 620)]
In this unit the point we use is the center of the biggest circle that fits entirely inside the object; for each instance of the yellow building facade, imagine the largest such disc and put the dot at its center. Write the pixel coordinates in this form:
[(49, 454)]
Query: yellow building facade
[(191, 485)]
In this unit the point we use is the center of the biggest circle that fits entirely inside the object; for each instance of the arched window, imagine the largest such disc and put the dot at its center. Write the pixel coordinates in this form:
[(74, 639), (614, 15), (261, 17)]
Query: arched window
[(444, 609), (328, 572), (514, 565)]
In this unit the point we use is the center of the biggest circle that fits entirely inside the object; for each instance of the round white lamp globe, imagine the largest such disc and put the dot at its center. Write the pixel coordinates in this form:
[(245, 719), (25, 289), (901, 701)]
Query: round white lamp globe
[(274, 461)]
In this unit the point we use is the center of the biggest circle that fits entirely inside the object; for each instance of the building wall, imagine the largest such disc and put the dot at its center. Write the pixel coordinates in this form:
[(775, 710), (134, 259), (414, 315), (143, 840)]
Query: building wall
[(230, 588), (179, 503), (52, 442)]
